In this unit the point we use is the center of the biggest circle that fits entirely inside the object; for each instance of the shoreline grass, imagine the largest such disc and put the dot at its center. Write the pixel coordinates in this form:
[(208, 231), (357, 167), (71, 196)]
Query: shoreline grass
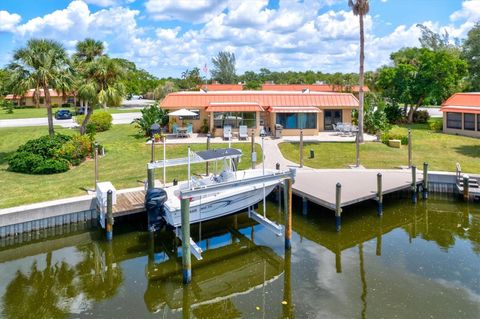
[(123, 165), (440, 150)]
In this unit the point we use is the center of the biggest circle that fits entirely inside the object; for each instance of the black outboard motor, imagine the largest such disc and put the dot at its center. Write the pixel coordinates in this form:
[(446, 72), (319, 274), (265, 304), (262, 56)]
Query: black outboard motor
[(154, 200)]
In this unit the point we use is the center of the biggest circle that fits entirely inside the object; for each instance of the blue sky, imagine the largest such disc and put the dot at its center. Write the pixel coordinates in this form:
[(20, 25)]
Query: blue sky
[(166, 37)]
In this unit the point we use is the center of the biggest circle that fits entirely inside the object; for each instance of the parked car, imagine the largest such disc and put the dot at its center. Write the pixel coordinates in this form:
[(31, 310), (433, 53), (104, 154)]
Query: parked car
[(80, 110), (63, 115)]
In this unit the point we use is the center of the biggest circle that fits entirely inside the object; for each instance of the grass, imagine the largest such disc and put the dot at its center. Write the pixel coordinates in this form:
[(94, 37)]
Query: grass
[(42, 112), (124, 164), (440, 150)]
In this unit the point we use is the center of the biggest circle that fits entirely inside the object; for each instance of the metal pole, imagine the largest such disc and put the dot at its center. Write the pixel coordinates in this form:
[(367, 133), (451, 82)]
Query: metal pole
[(109, 225), (263, 173), (254, 157), (287, 192), (338, 208), (188, 167), (379, 194), (301, 148), (409, 148), (186, 257), (96, 166), (150, 178), (153, 151), (414, 184), (425, 181), (164, 159), (357, 150), (208, 147), (466, 184)]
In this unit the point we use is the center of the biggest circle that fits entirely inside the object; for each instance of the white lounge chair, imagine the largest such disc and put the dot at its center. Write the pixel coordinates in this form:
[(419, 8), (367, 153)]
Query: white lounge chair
[(227, 132), (242, 132)]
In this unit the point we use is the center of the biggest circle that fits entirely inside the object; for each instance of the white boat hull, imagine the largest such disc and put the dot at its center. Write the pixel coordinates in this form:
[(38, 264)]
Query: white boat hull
[(217, 205)]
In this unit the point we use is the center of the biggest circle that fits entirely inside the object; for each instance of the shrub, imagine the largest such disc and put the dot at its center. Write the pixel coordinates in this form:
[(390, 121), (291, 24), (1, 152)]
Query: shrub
[(435, 124), (24, 162), (51, 166), (204, 128), (389, 136), (421, 117), (45, 146), (393, 113), (100, 121), (66, 105), (76, 150), (150, 115), (55, 105)]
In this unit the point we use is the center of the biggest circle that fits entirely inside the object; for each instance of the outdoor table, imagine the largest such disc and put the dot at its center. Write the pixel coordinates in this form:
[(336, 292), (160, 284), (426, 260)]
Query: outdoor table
[(182, 132)]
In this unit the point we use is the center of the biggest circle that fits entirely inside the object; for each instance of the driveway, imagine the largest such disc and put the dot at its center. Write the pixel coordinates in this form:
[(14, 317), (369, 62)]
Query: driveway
[(433, 111), (119, 118)]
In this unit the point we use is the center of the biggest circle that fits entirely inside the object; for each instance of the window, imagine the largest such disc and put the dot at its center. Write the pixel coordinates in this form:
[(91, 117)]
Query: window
[(42, 100), (297, 120), (454, 120), (235, 119), (469, 121), (478, 122)]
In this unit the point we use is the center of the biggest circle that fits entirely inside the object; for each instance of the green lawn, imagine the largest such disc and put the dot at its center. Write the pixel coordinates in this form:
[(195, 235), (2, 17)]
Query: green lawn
[(440, 150), (123, 164), (42, 112)]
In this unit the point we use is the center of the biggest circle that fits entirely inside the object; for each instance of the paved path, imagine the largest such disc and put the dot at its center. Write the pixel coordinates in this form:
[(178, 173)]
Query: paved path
[(118, 118)]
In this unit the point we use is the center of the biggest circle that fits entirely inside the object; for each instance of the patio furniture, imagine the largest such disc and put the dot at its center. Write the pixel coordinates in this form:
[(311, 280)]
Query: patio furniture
[(242, 132), (227, 132), (190, 129), (182, 132), (174, 128)]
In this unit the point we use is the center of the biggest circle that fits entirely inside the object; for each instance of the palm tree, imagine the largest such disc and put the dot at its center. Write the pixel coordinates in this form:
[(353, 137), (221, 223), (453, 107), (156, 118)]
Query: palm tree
[(100, 83), (360, 8), (88, 50), (41, 64)]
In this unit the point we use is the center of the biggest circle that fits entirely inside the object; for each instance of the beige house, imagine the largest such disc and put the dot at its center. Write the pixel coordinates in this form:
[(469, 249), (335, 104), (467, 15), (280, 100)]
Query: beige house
[(310, 111), (461, 114), (29, 99)]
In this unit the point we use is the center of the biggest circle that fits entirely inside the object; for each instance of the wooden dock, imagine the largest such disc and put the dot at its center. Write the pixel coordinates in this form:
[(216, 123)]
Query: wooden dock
[(318, 186), (129, 203)]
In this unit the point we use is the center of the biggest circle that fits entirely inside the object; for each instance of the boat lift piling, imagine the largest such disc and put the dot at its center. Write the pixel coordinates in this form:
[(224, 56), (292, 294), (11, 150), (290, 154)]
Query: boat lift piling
[(150, 178), (186, 257), (287, 198), (208, 147), (425, 181), (96, 166), (379, 194), (414, 184), (301, 148), (338, 207), (253, 153), (109, 225), (409, 148)]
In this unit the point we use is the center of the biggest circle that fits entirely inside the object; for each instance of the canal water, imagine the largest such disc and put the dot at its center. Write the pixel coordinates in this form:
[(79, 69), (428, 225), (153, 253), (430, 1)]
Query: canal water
[(417, 261)]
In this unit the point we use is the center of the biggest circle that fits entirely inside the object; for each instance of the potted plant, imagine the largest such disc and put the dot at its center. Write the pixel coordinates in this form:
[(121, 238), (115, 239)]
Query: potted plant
[(157, 137)]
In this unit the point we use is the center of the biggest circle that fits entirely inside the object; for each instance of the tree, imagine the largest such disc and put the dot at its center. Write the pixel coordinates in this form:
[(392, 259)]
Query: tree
[(88, 50), (162, 90), (190, 80), (471, 54), (420, 76), (224, 68), (360, 8), (41, 64)]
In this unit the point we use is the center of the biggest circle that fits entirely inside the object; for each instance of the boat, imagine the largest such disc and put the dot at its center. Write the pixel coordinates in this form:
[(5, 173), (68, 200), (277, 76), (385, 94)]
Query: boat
[(243, 189)]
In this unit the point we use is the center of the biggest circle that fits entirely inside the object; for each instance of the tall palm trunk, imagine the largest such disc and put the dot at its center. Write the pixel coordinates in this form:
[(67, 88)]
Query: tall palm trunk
[(362, 80), (48, 102), (89, 109)]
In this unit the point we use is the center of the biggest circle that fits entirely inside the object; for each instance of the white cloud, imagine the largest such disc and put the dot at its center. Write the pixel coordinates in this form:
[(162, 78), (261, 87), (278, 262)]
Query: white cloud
[(8, 21), (185, 10)]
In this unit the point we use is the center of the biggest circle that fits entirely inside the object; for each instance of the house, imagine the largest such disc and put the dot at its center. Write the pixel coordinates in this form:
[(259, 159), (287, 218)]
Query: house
[(28, 99), (461, 114), (310, 111), (313, 87)]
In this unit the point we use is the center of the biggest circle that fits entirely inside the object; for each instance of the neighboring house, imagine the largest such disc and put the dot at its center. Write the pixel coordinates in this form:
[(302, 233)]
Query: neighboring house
[(28, 99), (461, 114), (310, 111), (313, 87)]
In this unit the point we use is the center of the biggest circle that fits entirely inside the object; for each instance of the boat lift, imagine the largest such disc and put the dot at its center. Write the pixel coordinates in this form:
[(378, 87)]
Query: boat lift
[(198, 191)]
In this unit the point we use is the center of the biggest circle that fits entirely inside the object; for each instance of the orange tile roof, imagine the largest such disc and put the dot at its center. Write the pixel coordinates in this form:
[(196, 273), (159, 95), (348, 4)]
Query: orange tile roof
[(31, 92), (222, 87), (294, 109), (264, 99), (312, 87), (463, 99)]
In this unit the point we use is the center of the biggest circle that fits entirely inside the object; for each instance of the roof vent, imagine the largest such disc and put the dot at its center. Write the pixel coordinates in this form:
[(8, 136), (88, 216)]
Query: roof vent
[(203, 90), (306, 90)]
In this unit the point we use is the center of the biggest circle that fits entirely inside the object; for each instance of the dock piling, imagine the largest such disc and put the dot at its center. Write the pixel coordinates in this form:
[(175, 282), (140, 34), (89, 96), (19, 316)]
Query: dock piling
[(466, 183), (414, 184), (357, 150), (425, 181), (96, 166), (153, 151), (150, 178), (287, 198), (186, 257), (338, 208), (301, 148), (379, 194), (109, 226), (254, 155), (409, 148)]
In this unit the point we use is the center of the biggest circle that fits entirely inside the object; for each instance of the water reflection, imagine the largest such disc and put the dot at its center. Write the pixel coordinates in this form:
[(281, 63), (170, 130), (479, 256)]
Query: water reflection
[(414, 253)]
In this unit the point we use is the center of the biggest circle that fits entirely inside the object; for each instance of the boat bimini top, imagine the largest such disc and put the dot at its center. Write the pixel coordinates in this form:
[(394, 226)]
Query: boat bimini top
[(199, 157)]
